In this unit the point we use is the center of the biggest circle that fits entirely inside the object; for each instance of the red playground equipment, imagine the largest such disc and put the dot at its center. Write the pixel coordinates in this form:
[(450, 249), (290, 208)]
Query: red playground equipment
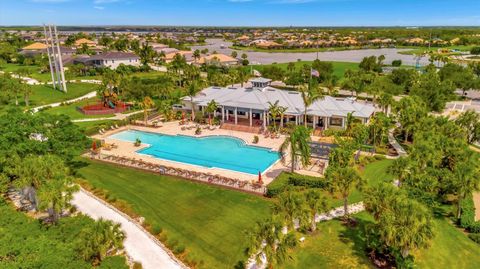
[(108, 105)]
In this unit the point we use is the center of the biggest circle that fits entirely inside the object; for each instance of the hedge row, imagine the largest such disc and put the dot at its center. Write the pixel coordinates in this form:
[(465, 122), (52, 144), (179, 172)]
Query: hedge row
[(467, 220), (285, 180)]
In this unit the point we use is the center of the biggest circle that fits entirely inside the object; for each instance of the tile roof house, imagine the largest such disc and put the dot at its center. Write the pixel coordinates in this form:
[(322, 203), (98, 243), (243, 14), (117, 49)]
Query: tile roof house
[(110, 59), (218, 59)]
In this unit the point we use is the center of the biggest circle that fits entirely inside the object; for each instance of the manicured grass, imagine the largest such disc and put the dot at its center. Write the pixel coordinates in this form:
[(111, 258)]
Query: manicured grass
[(45, 94), (339, 68), (91, 124), (209, 221), (71, 110), (449, 249), (333, 245)]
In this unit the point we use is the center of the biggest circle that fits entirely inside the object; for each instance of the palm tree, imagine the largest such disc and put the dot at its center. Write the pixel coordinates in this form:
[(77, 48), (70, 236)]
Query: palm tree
[(298, 144), (101, 239), (147, 54), (146, 104), (466, 179), (343, 180), (402, 223), (385, 100), (27, 90), (196, 55), (317, 204), (275, 111), (291, 206), (56, 195), (331, 84), (211, 107), (267, 239), (36, 172), (192, 90), (310, 94)]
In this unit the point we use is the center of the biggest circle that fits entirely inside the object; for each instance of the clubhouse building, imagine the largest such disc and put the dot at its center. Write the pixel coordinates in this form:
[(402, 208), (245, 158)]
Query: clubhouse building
[(250, 106)]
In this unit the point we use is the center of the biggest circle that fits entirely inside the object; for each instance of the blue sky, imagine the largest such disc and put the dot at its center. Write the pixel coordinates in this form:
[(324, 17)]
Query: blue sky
[(241, 12)]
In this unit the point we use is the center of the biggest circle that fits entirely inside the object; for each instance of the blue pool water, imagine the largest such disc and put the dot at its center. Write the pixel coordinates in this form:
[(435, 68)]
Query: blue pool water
[(214, 151)]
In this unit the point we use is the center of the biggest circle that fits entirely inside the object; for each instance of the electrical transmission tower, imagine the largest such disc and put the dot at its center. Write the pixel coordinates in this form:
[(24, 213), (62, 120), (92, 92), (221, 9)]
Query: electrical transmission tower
[(54, 57)]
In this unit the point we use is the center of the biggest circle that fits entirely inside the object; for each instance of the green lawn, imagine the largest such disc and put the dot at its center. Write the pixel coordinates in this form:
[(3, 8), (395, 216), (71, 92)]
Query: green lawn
[(209, 221), (332, 246), (91, 124), (71, 110), (339, 68), (45, 94)]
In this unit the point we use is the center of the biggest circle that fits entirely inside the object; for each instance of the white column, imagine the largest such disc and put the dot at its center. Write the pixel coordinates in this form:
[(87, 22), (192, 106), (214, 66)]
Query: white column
[(264, 120), (325, 123), (236, 119), (281, 120), (343, 122), (268, 118), (250, 116), (296, 120), (314, 121), (226, 111), (223, 114)]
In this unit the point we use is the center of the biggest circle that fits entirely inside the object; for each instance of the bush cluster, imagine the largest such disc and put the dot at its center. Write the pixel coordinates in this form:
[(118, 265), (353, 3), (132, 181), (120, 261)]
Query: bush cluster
[(293, 180)]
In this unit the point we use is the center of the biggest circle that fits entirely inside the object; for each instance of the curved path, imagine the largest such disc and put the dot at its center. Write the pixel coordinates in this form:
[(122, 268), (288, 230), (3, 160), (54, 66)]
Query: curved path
[(139, 244)]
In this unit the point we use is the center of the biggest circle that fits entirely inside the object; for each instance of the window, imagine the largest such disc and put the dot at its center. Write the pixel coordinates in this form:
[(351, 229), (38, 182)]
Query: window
[(336, 121)]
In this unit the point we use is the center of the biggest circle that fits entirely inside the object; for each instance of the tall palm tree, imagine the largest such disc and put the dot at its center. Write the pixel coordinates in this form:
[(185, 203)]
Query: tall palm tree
[(298, 144), (343, 180), (192, 90), (27, 90), (317, 204), (211, 107), (310, 94), (466, 180), (146, 104), (196, 55)]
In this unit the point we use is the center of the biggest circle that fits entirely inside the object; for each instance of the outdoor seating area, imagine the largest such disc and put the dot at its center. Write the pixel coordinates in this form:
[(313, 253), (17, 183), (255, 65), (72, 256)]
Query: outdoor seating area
[(113, 127), (216, 179)]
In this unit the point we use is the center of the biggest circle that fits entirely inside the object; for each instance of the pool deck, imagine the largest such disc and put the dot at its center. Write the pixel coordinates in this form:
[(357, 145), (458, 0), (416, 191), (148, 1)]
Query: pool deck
[(127, 149)]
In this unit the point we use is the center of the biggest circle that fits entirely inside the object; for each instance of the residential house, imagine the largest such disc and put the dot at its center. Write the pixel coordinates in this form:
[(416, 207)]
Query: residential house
[(110, 59)]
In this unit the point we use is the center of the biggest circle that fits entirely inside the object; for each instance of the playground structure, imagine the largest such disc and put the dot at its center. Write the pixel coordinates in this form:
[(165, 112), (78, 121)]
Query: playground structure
[(108, 105)]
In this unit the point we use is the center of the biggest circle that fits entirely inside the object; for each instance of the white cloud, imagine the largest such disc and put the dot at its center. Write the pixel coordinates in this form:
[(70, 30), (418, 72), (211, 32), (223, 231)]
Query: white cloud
[(99, 7)]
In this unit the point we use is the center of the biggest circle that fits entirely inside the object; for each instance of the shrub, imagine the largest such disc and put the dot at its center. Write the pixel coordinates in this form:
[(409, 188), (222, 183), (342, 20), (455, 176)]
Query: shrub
[(137, 265), (475, 50), (255, 139), (396, 63), (179, 249), (468, 213), (475, 237), (156, 229), (296, 180)]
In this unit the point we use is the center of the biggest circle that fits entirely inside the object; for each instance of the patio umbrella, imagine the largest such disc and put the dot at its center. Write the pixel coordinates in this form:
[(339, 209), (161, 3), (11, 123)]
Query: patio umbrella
[(94, 146), (183, 116), (259, 177)]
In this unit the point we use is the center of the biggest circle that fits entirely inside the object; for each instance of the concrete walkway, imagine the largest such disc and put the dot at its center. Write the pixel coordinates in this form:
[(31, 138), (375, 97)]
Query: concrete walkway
[(393, 141), (86, 96), (139, 244)]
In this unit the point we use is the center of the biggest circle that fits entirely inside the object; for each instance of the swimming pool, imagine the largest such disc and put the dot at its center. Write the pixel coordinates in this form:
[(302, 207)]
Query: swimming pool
[(212, 151)]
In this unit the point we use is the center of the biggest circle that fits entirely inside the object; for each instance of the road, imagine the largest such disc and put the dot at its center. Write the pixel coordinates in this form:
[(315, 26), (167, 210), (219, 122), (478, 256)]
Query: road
[(138, 244), (284, 57)]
